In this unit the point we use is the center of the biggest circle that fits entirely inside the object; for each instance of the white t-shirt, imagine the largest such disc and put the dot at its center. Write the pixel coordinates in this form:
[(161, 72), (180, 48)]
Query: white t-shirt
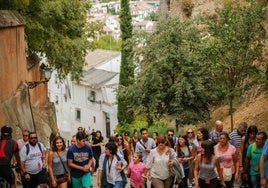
[(21, 143), (33, 161)]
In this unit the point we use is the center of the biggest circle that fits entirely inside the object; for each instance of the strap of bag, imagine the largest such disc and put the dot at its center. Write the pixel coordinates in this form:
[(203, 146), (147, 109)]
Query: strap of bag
[(62, 162), (142, 144)]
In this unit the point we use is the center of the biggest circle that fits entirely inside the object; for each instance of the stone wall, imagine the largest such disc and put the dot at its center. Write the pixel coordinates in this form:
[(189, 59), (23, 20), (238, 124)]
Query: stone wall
[(16, 100)]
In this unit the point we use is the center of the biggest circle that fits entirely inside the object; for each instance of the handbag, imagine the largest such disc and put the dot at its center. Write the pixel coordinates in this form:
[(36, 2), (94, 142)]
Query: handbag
[(64, 177), (227, 174)]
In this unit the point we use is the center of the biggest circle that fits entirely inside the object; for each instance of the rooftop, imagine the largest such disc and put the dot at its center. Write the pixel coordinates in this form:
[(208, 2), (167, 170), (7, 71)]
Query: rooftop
[(10, 18), (97, 77), (98, 56)]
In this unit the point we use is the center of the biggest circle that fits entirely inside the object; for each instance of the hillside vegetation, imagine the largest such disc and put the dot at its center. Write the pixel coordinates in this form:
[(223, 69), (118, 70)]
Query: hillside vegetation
[(252, 107)]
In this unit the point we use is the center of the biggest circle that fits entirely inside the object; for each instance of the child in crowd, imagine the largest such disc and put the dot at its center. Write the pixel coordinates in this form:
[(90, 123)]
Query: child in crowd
[(135, 171)]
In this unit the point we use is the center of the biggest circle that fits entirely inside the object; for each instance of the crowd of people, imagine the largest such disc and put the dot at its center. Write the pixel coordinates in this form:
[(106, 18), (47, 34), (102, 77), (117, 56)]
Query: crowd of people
[(199, 158)]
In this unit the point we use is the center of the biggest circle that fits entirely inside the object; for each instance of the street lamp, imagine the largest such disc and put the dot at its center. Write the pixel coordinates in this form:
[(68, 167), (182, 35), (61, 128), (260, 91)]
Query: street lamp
[(46, 72)]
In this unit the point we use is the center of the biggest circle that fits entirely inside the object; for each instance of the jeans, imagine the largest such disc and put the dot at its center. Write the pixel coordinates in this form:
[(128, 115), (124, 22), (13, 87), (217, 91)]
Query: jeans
[(183, 183), (118, 184), (255, 181)]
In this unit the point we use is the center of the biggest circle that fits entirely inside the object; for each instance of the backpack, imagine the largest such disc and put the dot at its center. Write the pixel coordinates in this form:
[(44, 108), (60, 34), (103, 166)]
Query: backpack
[(253, 149), (28, 148)]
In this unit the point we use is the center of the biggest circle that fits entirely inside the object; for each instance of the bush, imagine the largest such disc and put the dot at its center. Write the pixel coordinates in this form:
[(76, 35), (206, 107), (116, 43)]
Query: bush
[(187, 7), (140, 122)]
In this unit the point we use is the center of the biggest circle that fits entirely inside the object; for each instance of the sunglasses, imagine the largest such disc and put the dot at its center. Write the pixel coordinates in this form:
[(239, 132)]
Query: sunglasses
[(190, 132), (170, 134), (33, 138)]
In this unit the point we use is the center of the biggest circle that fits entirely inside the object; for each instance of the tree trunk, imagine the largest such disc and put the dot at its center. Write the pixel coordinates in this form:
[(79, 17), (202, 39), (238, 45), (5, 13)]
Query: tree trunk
[(231, 113)]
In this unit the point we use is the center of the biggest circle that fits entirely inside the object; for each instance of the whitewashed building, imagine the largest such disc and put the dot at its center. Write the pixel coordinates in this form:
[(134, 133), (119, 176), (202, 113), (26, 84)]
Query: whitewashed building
[(92, 102)]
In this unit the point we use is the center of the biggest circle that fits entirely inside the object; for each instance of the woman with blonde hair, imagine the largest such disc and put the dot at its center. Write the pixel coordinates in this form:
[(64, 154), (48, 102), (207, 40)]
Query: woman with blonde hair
[(192, 140), (57, 164)]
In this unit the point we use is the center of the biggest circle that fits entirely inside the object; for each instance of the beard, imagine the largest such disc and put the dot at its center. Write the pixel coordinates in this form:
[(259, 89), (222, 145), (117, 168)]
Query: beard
[(32, 143)]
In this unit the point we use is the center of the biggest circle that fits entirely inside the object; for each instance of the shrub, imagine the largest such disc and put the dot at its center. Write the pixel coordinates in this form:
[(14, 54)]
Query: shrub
[(140, 122), (187, 7)]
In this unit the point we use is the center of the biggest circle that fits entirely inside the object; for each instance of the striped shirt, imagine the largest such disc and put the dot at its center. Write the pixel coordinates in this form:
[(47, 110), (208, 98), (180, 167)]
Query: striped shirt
[(235, 138)]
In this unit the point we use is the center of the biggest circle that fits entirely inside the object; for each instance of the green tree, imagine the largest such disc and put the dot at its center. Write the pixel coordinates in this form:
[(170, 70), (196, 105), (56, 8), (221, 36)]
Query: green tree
[(125, 113), (234, 42), (57, 29), (172, 78), (108, 42)]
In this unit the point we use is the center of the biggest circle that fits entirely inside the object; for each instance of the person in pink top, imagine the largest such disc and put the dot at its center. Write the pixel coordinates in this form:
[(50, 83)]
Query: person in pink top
[(135, 171), (229, 162)]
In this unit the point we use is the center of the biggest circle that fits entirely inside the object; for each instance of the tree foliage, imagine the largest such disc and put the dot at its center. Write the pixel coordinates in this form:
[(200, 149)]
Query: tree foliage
[(57, 29), (172, 79), (125, 113), (108, 42), (234, 43)]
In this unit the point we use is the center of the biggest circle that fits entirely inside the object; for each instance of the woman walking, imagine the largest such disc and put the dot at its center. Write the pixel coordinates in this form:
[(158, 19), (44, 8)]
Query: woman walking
[(229, 162), (185, 155), (96, 143), (111, 168), (204, 171), (57, 164), (159, 162), (246, 140)]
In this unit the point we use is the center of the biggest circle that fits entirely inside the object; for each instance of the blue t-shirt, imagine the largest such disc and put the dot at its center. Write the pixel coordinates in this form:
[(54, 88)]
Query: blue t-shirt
[(81, 157), (265, 152)]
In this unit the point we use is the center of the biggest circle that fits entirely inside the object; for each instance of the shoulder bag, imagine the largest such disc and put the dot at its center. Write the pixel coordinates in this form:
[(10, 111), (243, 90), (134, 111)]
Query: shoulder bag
[(63, 177)]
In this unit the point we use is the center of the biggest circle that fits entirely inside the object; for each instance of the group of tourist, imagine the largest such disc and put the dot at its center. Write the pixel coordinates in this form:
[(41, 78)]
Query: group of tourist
[(198, 158)]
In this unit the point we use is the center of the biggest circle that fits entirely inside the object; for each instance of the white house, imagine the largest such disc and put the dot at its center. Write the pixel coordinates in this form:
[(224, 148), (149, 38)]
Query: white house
[(92, 102)]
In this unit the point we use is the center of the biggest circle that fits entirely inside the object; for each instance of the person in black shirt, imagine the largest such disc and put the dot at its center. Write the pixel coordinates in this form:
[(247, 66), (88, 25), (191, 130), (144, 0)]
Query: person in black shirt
[(96, 143), (8, 148)]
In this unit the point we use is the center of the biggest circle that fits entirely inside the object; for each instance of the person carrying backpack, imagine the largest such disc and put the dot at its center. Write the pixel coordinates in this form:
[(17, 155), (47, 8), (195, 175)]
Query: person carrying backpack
[(252, 161), (8, 148), (33, 163)]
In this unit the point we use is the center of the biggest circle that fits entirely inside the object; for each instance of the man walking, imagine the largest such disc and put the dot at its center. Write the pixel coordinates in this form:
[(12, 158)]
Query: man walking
[(33, 163), (8, 148), (215, 134), (252, 161), (172, 138), (145, 144), (80, 160), (24, 140), (264, 166)]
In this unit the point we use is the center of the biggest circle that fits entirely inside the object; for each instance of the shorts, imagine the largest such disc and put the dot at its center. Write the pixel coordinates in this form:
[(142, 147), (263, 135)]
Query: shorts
[(84, 181), (7, 173), (37, 179)]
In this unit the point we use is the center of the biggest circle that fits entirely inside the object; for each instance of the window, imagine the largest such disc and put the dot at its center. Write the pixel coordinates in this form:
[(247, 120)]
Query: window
[(91, 96), (55, 78), (56, 100), (78, 114), (94, 119)]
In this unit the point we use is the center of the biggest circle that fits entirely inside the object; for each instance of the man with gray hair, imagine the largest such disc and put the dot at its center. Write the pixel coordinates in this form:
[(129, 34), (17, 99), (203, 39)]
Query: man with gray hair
[(215, 134), (236, 135)]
